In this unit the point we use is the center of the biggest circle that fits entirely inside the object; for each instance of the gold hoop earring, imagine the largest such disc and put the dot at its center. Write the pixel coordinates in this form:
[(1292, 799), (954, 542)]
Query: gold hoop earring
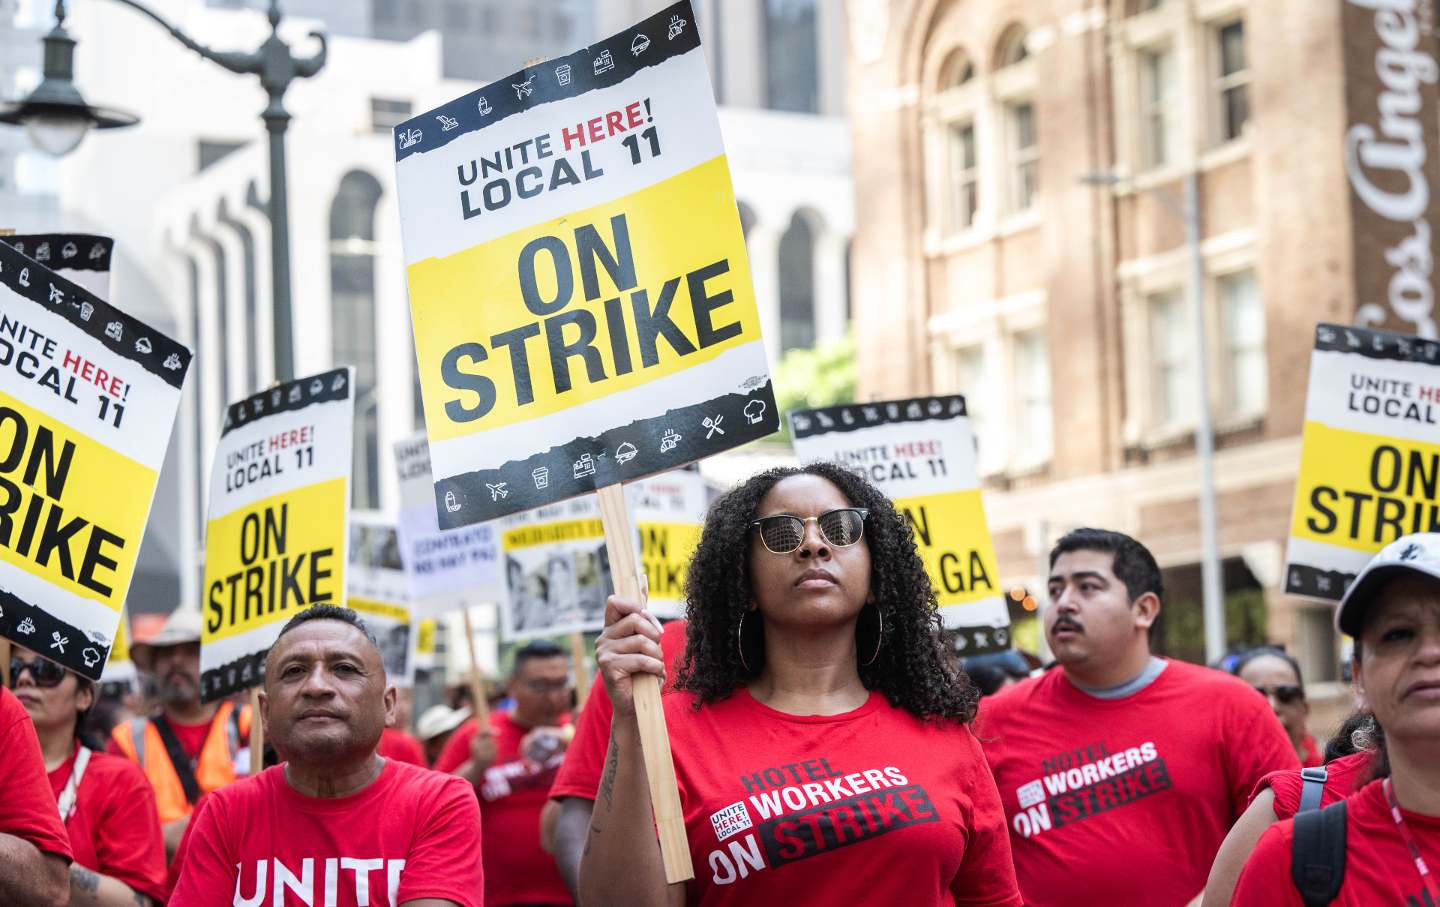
[(879, 637)]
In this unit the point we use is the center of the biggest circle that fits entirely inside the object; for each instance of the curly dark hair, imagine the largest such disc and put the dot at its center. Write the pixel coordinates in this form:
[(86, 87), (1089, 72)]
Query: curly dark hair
[(913, 669)]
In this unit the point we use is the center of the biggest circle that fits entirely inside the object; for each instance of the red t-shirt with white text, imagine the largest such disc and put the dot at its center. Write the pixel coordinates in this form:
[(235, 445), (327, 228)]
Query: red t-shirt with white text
[(27, 808), (1125, 801), (1378, 867), (412, 833), (517, 870), (585, 759), (872, 806), (1343, 776), (114, 828), (400, 746)]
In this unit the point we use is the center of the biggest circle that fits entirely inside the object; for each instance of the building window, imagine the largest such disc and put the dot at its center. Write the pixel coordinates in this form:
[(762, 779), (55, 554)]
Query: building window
[(352, 320), (792, 75), (1172, 393), (964, 175), (1034, 433), (971, 379), (1158, 105), (797, 285), (1242, 353), (387, 113), (1024, 155), (1012, 48), (1232, 85)]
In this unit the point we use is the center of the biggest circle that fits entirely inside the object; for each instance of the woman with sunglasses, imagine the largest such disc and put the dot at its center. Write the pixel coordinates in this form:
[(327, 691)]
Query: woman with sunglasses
[(1276, 676), (104, 801), (818, 725)]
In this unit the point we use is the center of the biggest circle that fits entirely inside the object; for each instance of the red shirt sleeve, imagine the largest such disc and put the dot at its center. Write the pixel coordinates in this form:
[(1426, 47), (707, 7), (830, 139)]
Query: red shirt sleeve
[(27, 806), (204, 862), (457, 748), (444, 862), (401, 747), (579, 774), (1260, 746), (987, 871), (1265, 881), (128, 842)]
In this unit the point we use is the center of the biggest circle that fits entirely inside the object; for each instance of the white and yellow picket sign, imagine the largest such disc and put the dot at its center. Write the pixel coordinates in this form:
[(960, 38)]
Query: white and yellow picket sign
[(83, 258), (1369, 455), (921, 453), (88, 397), (277, 535), (380, 591), (579, 287), (119, 668)]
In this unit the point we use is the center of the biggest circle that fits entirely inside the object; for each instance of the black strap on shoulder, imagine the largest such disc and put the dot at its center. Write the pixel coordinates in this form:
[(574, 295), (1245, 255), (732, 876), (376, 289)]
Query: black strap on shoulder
[(1317, 857), (1314, 786), (179, 759)]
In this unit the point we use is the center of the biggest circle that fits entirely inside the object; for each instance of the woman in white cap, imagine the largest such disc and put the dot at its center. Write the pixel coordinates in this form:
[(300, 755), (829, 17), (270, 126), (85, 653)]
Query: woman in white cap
[(1381, 845)]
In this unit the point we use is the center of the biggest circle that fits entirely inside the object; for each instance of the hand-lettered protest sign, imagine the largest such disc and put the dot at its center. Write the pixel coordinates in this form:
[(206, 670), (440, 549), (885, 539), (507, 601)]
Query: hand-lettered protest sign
[(379, 590), (447, 568), (277, 535), (1369, 455), (83, 258), (921, 453), (579, 288), (88, 396), (119, 668)]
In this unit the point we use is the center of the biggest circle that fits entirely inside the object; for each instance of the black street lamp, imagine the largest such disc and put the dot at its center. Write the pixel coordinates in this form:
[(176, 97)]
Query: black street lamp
[(57, 118)]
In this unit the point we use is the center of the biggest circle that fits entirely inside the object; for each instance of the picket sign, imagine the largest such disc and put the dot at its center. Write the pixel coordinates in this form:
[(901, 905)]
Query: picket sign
[(649, 712), (5, 643), (257, 734), (481, 706)]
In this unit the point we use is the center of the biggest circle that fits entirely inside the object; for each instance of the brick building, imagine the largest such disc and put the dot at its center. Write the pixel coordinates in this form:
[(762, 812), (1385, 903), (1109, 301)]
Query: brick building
[(985, 262)]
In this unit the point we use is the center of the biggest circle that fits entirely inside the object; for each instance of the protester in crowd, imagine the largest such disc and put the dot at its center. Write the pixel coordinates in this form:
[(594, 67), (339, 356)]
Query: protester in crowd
[(1349, 763), (337, 823), (579, 777), (436, 726), (818, 725), (1121, 771), (511, 766), (189, 748), (34, 848), (1392, 825), (106, 805), (395, 742), (994, 672), (1276, 675)]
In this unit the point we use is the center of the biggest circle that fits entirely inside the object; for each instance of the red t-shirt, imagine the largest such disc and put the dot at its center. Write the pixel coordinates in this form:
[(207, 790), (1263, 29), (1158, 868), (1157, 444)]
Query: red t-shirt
[(400, 746), (871, 805), (114, 828), (1378, 867), (27, 808), (1126, 800), (585, 760), (412, 833), (1343, 777), (517, 870)]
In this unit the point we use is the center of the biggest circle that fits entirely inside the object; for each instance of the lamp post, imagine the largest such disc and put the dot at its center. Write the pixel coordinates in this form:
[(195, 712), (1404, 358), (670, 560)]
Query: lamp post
[(1212, 592), (57, 118)]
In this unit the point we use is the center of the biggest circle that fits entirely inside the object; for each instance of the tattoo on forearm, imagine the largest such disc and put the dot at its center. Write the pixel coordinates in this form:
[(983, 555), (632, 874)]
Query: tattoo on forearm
[(83, 879), (612, 766)]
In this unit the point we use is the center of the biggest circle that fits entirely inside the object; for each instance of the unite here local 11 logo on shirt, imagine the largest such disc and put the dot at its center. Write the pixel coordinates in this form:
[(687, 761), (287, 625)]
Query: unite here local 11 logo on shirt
[(1085, 782), (808, 808)]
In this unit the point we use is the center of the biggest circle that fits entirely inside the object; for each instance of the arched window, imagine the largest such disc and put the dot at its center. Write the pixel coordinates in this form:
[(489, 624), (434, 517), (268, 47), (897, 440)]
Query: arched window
[(797, 285), (352, 320), (1011, 49), (792, 73), (956, 70)]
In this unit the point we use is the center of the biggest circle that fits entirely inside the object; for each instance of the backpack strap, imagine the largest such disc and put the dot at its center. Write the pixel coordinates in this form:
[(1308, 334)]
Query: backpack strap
[(1317, 857), (1314, 787), (137, 738), (179, 760)]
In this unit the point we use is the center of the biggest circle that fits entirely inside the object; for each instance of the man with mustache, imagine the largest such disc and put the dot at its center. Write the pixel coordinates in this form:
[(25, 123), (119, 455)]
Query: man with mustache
[(337, 823), (1121, 772), (189, 749)]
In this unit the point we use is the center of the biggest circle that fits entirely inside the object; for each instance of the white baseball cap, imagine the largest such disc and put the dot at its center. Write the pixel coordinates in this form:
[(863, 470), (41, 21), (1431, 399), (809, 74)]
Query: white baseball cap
[(1416, 553)]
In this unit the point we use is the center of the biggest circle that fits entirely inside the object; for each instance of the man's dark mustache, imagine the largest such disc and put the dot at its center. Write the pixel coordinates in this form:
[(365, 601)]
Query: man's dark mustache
[(1066, 623)]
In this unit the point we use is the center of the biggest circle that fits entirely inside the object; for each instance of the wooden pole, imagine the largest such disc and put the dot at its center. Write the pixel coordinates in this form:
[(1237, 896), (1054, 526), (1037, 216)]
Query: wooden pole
[(480, 707), (654, 739), (257, 734), (582, 671), (5, 662)]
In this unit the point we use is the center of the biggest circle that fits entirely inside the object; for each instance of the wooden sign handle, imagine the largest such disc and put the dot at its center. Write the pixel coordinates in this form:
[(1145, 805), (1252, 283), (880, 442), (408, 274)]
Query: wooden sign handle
[(582, 672), (5, 662), (654, 740), (257, 734), (479, 704)]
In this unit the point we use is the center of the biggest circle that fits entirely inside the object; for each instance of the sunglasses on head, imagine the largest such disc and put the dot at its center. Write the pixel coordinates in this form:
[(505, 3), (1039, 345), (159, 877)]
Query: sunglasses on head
[(43, 673), (1285, 694), (783, 533)]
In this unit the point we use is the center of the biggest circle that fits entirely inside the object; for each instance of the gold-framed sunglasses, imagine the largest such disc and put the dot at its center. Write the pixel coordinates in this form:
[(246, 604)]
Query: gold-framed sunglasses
[(783, 533)]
